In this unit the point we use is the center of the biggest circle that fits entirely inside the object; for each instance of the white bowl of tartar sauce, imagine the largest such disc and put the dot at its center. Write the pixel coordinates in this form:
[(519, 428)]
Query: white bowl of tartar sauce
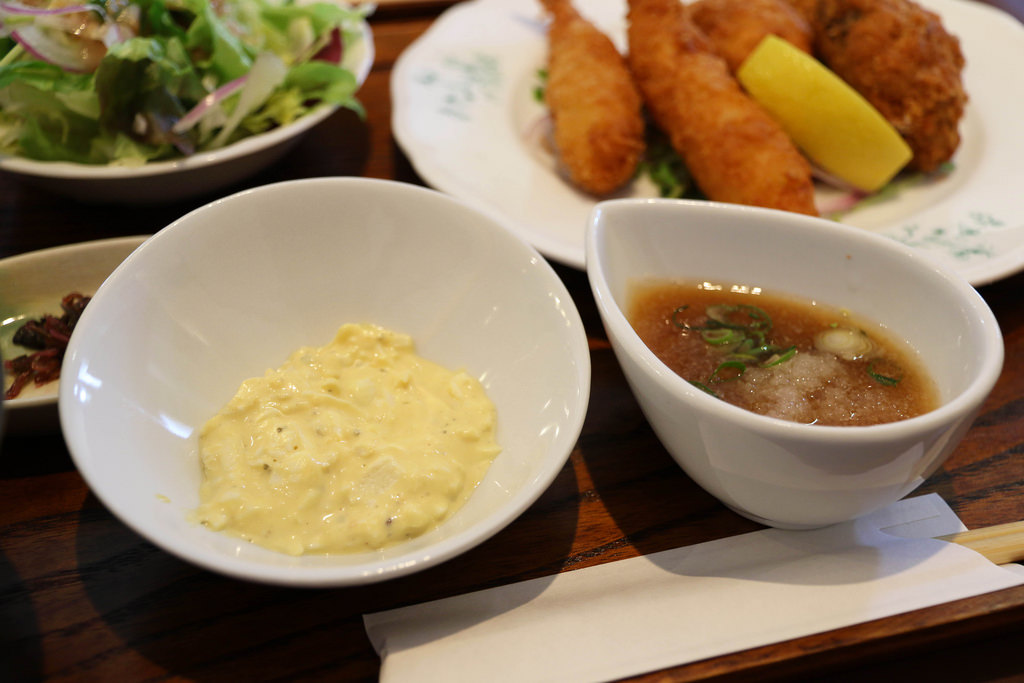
[(325, 382)]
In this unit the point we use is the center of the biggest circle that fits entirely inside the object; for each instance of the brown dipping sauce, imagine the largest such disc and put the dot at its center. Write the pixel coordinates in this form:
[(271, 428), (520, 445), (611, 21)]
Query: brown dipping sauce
[(780, 356)]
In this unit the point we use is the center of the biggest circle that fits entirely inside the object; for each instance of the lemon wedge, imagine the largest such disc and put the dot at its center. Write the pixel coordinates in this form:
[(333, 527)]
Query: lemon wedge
[(828, 120)]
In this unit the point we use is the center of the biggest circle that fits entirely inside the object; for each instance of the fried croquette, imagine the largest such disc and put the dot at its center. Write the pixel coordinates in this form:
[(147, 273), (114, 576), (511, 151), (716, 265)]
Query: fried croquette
[(735, 27), (595, 107), (733, 149), (901, 59), (806, 9)]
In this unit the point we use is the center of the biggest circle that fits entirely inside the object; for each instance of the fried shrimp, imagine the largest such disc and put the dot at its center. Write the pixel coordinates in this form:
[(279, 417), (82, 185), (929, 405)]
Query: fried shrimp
[(735, 27), (901, 59), (594, 104), (733, 149)]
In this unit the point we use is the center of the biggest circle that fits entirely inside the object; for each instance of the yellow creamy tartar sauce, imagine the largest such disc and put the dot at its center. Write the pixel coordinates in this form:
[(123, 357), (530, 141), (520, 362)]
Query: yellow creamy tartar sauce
[(345, 448)]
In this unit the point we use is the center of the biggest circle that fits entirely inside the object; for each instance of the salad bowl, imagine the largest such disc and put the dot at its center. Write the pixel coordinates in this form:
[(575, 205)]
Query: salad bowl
[(133, 181)]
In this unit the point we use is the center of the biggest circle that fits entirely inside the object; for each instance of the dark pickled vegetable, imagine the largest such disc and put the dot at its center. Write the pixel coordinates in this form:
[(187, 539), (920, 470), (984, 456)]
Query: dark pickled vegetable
[(48, 336)]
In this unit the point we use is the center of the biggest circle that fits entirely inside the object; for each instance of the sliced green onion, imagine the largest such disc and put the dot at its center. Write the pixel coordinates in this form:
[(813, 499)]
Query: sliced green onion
[(675, 317), (762, 321), (722, 336), (736, 365), (746, 347), (751, 350), (703, 387), (883, 379), (744, 352), (721, 314), (779, 358), (741, 330)]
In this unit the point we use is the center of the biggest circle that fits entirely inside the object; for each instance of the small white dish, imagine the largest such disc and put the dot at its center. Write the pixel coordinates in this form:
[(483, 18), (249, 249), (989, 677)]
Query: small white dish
[(776, 472), (465, 114), (199, 174), (32, 285), (236, 286)]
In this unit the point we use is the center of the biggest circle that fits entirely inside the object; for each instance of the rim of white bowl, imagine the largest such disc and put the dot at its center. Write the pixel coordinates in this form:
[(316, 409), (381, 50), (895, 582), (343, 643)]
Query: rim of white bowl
[(962, 403), (375, 570), (70, 170)]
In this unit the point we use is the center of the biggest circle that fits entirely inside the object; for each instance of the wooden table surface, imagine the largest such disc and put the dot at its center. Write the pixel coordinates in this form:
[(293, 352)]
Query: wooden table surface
[(84, 598)]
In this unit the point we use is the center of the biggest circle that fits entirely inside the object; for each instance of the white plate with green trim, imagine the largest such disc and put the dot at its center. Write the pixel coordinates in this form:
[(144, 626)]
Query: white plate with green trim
[(464, 112)]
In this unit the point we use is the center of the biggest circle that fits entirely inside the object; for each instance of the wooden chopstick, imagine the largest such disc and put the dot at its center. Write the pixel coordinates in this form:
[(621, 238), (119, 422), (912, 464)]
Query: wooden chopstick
[(1001, 543)]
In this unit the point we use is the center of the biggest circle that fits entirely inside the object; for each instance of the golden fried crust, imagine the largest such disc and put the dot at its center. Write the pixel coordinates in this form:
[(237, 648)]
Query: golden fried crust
[(595, 106), (735, 27), (734, 150), (807, 9), (901, 59)]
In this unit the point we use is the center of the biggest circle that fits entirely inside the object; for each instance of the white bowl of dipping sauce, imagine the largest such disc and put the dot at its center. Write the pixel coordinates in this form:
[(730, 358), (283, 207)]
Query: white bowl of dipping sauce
[(235, 287), (774, 471)]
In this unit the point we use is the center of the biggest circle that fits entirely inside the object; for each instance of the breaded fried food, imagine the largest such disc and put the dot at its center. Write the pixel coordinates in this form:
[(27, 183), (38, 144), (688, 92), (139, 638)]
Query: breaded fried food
[(735, 27), (595, 106), (901, 59), (733, 149), (807, 9)]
